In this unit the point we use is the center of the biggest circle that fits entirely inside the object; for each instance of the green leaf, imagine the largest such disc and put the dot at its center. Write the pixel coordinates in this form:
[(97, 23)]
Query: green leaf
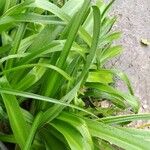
[(131, 100), (76, 141), (125, 118), (12, 57), (41, 98), (53, 112), (116, 136), (15, 45), (124, 78), (33, 131), (60, 71), (144, 134), (7, 138), (108, 39), (52, 142), (100, 76), (107, 7), (16, 118), (80, 125), (4, 49), (43, 4), (68, 9), (52, 80), (18, 8), (110, 53), (30, 17)]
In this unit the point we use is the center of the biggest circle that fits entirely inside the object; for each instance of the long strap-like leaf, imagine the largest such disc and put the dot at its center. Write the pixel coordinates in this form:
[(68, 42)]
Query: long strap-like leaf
[(53, 112), (16, 118)]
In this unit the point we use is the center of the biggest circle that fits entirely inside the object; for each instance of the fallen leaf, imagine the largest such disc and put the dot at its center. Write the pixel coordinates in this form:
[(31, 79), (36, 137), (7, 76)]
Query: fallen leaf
[(145, 42)]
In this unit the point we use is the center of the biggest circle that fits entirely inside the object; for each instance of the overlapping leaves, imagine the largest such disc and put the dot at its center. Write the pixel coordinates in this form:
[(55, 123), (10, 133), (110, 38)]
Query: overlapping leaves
[(52, 54)]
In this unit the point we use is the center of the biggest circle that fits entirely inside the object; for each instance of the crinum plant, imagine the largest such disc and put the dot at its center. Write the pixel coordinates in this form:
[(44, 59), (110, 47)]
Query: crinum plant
[(52, 73)]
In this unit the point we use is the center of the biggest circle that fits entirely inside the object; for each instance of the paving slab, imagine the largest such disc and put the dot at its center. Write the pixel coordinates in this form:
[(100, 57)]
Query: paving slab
[(134, 22)]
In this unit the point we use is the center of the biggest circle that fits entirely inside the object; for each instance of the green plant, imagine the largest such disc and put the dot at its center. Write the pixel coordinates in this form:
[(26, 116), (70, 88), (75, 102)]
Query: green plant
[(52, 70)]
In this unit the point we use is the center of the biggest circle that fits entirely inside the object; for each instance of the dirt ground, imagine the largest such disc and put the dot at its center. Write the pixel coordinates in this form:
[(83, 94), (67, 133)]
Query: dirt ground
[(134, 22)]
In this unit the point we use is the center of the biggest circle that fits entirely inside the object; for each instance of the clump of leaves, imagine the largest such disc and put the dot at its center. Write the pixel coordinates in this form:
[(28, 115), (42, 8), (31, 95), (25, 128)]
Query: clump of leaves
[(52, 75)]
